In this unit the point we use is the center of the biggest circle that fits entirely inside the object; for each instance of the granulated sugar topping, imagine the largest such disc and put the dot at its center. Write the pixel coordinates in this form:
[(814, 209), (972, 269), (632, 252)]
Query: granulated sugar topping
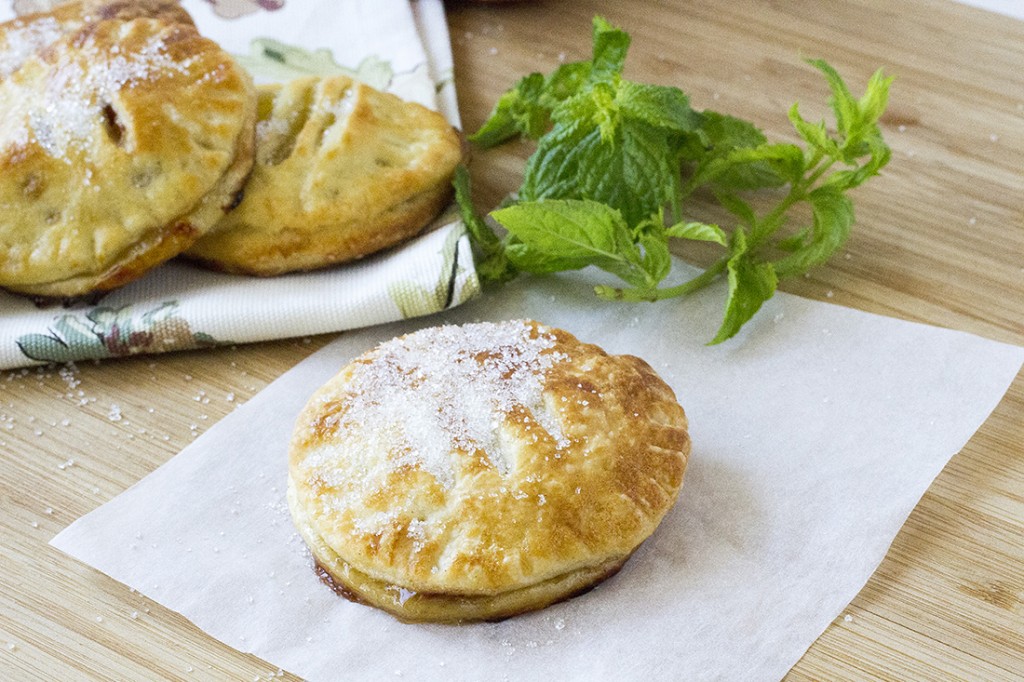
[(82, 86), (24, 39), (451, 388)]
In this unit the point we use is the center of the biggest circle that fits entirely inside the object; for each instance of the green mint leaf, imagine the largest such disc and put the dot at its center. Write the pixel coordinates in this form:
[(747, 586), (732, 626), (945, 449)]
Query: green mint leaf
[(564, 82), (833, 218), (551, 171), (855, 119), (786, 160), (518, 112), (724, 133), (750, 285), (746, 168), (537, 261), (657, 261), (813, 134), (875, 99), (573, 232), (659, 106), (717, 136), (610, 48), (702, 232), (842, 102), (634, 172)]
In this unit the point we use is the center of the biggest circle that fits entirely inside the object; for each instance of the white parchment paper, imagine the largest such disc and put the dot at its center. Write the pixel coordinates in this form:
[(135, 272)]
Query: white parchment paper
[(815, 433)]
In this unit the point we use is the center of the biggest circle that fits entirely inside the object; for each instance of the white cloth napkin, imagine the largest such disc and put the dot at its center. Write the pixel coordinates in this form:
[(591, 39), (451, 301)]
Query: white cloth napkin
[(178, 306), (815, 433)]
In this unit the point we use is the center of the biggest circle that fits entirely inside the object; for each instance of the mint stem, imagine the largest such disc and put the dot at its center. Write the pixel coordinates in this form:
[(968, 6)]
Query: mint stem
[(651, 295)]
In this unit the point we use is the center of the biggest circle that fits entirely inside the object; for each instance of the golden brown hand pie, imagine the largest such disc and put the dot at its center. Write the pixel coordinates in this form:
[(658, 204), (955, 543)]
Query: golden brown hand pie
[(476, 472), (342, 171), (120, 144)]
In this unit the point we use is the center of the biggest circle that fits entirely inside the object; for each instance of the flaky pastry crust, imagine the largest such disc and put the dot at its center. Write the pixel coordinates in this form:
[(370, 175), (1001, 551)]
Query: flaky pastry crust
[(342, 171), (121, 144), (471, 473)]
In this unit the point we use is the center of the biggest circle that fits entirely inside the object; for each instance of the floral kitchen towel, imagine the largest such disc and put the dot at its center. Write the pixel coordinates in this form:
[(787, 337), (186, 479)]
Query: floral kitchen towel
[(394, 45)]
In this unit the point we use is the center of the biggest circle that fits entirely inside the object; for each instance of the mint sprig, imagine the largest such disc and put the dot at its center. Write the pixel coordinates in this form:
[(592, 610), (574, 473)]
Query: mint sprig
[(616, 162)]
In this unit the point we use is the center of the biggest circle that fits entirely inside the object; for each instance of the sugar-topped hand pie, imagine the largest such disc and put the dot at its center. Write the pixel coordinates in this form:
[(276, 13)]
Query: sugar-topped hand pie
[(477, 472), (121, 143)]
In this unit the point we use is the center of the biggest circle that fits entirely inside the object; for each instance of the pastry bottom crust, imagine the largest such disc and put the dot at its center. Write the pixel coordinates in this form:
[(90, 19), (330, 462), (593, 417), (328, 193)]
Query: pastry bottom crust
[(441, 607), (243, 250)]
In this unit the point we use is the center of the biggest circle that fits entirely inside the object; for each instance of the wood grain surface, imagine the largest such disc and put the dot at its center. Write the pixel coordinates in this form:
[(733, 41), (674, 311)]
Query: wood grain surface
[(939, 239)]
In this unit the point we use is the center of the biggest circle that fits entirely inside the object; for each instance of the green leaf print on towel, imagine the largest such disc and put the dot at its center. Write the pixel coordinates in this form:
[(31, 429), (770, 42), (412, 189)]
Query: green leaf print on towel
[(415, 299), (106, 332), (273, 60)]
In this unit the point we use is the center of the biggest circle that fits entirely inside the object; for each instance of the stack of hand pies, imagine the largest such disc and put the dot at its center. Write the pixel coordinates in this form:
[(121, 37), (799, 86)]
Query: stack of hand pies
[(126, 139)]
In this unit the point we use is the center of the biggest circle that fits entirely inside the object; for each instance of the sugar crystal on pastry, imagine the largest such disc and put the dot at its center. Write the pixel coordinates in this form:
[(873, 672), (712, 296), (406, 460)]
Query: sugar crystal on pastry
[(476, 472), (25, 38)]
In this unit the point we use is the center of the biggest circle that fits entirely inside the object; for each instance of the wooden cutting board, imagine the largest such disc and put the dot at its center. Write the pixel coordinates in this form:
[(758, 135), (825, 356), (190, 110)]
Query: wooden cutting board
[(939, 239)]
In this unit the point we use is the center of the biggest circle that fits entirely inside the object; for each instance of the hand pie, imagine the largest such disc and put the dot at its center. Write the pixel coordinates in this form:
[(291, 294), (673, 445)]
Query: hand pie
[(477, 472), (121, 143), (342, 171)]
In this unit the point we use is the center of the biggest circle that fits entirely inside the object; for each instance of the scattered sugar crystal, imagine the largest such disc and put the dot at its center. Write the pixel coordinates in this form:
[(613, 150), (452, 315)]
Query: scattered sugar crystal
[(114, 414)]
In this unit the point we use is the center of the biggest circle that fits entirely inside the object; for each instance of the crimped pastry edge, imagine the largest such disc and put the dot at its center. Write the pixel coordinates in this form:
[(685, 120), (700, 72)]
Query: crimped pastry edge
[(440, 607)]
